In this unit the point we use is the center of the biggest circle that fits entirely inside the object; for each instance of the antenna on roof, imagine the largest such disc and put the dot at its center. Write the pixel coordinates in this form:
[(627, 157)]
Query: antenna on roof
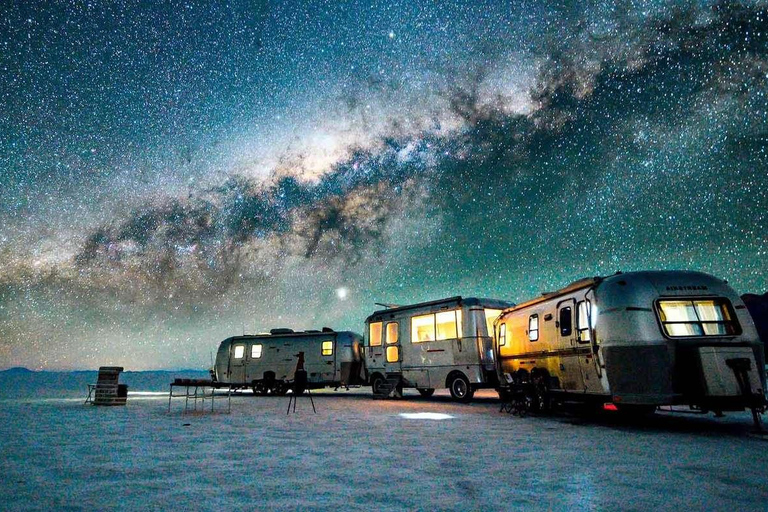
[(388, 306)]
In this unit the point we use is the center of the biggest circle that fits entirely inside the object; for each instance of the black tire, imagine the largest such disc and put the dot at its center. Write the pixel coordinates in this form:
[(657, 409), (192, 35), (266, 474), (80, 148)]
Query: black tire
[(426, 392), (376, 383), (280, 389), (260, 389), (460, 389), (538, 399)]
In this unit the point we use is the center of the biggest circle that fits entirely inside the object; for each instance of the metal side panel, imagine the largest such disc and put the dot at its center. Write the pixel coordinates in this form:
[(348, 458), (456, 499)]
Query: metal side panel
[(718, 377), (641, 371)]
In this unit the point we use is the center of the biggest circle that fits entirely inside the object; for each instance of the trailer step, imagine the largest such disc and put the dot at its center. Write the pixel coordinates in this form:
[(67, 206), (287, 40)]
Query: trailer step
[(389, 387)]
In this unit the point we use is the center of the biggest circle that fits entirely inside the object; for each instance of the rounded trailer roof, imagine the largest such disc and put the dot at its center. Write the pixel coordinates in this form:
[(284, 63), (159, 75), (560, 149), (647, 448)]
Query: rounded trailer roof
[(665, 281), (448, 301)]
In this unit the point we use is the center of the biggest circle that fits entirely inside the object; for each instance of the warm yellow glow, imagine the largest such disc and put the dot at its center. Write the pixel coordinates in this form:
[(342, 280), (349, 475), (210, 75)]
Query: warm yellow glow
[(374, 335), (422, 328), (695, 317), (256, 351), (533, 327), (327, 349), (490, 316), (393, 354), (582, 320), (502, 335), (392, 333), (239, 351), (446, 325)]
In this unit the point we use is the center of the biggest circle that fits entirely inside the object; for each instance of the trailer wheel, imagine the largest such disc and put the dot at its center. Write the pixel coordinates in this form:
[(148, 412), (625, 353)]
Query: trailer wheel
[(259, 388), (539, 392), (376, 382), (280, 389), (460, 388), (426, 392)]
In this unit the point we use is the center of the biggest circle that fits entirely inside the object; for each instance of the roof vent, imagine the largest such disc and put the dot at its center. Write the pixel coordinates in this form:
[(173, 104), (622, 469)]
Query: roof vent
[(282, 330), (327, 329)]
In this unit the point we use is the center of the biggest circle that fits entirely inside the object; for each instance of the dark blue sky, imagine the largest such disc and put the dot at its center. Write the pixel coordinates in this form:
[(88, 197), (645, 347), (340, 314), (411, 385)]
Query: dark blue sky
[(174, 173)]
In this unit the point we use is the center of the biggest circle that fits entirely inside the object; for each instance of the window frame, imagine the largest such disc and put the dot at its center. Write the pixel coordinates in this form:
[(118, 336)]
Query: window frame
[(587, 321), (261, 350), (397, 333), (381, 333), (458, 322), (323, 348), (414, 339), (489, 326), (502, 334), (560, 320), (724, 302), (536, 330), (234, 351)]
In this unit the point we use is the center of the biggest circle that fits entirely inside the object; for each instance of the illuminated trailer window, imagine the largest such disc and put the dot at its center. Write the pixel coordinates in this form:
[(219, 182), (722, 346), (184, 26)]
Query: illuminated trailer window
[(445, 325), (490, 317), (697, 317), (374, 334)]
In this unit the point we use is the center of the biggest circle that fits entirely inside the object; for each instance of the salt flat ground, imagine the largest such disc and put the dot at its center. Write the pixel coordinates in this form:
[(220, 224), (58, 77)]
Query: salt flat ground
[(362, 454)]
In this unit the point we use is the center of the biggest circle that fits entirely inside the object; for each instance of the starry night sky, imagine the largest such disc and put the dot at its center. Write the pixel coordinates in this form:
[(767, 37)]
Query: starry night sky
[(173, 173)]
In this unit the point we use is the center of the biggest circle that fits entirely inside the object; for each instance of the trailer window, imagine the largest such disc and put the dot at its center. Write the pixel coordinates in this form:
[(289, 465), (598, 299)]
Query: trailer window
[(392, 333), (490, 317), (422, 328), (706, 317), (239, 351), (448, 324), (502, 335), (374, 337), (566, 321), (533, 327), (582, 320), (256, 351), (327, 348)]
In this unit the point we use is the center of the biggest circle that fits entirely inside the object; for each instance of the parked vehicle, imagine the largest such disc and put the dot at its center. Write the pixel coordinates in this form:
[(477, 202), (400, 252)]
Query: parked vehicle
[(445, 343), (266, 362), (637, 340)]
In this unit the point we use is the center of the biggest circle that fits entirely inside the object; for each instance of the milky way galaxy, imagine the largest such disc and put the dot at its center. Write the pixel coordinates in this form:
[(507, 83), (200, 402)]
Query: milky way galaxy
[(174, 174)]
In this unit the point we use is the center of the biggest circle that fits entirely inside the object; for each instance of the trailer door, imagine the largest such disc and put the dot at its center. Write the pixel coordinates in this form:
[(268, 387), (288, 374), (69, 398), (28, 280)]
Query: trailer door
[(393, 353), (588, 358), (237, 363), (571, 377), (328, 354)]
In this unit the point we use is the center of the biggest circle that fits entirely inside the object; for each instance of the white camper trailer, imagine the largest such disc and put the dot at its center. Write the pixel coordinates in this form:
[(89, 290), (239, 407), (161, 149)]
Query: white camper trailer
[(440, 344), (638, 340), (266, 362)]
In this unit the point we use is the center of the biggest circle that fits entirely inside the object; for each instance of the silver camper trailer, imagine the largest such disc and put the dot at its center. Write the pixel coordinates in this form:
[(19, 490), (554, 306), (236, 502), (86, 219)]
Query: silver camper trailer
[(637, 340), (440, 344), (266, 362)]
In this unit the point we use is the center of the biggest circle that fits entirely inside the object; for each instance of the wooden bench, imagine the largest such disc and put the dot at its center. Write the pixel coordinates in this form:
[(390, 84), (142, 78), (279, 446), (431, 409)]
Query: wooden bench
[(108, 390)]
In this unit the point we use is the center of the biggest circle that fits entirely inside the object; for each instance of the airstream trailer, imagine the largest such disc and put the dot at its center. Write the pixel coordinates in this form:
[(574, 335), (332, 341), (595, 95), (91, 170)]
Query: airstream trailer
[(440, 344), (266, 362), (638, 340)]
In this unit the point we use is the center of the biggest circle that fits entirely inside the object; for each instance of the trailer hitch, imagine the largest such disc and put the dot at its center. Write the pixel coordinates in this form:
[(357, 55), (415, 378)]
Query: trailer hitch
[(741, 367)]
